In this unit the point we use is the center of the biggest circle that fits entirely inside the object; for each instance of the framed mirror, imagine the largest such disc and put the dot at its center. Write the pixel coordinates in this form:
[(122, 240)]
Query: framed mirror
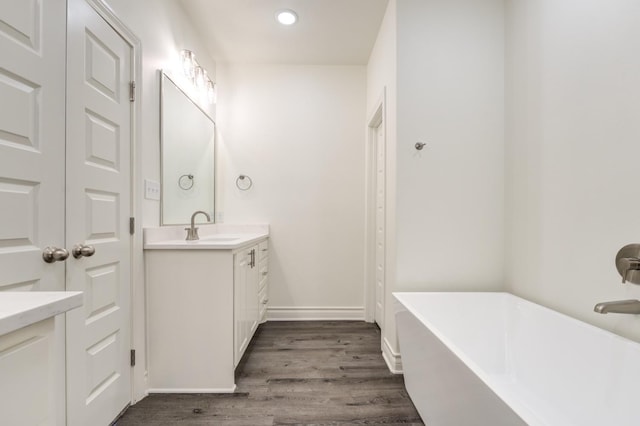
[(187, 151)]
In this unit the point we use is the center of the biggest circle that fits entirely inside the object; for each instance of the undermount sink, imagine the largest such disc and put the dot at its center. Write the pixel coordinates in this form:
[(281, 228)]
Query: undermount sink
[(220, 238)]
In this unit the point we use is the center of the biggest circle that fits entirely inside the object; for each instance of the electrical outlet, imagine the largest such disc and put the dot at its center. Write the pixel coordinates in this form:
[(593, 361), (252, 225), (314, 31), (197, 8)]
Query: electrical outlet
[(219, 217), (151, 190)]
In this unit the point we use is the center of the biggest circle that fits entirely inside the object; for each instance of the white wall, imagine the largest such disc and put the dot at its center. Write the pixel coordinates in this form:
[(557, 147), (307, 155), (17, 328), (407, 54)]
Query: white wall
[(298, 132), (449, 214), (573, 102), (163, 30), (450, 95)]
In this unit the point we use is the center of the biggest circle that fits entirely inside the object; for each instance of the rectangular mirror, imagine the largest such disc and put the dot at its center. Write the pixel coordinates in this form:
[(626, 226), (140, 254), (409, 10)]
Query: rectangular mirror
[(187, 149)]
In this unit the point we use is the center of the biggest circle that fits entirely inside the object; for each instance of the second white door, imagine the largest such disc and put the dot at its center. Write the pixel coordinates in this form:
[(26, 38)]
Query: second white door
[(98, 207)]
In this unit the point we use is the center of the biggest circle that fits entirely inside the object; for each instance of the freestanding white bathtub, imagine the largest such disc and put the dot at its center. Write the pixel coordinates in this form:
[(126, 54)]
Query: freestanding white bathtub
[(494, 359)]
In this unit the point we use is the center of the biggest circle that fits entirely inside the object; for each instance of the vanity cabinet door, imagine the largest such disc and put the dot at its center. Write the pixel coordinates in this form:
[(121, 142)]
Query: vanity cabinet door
[(246, 312), (252, 310), (241, 264), (29, 389), (263, 280)]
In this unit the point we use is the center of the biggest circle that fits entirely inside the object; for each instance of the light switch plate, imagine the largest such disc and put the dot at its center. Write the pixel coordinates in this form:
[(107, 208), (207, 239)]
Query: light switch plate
[(151, 190)]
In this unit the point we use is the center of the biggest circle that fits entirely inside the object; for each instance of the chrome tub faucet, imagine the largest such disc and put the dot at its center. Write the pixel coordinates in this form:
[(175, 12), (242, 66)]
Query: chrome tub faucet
[(619, 307)]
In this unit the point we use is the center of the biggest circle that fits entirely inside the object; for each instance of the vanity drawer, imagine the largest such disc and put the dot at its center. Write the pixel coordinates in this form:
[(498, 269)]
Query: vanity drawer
[(263, 250), (263, 303)]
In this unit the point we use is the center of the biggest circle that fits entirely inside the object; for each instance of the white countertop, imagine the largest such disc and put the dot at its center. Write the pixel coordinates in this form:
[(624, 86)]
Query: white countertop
[(22, 308), (212, 237)]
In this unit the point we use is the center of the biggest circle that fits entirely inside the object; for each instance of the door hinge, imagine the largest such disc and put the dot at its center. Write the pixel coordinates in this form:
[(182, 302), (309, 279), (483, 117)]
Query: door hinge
[(132, 91), (133, 357), (132, 225)]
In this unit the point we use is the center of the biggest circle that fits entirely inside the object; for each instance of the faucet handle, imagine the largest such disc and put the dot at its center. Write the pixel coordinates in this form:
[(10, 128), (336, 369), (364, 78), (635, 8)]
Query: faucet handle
[(192, 234), (629, 264)]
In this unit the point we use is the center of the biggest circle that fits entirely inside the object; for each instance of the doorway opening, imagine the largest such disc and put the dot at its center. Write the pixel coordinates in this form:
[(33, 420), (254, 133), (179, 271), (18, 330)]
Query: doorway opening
[(376, 215)]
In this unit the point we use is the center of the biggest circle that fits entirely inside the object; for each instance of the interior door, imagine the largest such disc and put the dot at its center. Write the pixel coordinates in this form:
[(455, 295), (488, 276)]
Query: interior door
[(32, 146), (99, 111), (32, 142), (380, 224)]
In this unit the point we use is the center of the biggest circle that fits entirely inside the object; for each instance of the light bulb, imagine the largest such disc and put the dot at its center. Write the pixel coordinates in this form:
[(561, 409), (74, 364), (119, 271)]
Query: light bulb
[(286, 17), (199, 77), (188, 60)]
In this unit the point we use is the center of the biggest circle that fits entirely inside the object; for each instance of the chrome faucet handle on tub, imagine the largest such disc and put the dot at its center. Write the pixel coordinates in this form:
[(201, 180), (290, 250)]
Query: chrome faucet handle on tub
[(632, 264), (628, 263), (192, 231)]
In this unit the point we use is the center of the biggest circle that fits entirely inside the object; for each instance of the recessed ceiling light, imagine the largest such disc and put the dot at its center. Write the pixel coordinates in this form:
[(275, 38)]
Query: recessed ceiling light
[(286, 17)]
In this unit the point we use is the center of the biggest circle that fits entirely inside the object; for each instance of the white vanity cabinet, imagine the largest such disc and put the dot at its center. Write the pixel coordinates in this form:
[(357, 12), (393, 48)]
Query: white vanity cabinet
[(203, 308), (32, 356)]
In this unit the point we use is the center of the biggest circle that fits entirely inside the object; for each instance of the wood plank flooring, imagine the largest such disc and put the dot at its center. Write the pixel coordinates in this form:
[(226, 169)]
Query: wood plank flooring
[(295, 373)]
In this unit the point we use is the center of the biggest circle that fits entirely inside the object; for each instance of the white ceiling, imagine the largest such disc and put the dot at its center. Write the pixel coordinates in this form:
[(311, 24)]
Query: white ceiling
[(328, 32)]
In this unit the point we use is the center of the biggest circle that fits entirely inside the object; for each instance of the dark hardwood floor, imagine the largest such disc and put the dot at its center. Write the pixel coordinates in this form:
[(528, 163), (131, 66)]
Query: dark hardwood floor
[(296, 373)]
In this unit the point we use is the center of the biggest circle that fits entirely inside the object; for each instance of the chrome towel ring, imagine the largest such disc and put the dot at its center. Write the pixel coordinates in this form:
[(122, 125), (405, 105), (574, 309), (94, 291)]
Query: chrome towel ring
[(185, 182), (244, 183)]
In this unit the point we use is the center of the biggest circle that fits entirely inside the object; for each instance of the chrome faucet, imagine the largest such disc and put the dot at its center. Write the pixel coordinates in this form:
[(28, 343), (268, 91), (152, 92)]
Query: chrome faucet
[(619, 307), (192, 231)]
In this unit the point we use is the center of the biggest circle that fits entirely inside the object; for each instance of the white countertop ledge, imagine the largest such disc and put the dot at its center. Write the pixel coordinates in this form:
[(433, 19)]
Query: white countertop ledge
[(212, 237), (220, 242), (19, 309)]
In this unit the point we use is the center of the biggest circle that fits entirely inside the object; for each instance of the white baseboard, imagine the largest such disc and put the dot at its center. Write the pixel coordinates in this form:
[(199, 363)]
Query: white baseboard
[(314, 313), (192, 390), (391, 357)]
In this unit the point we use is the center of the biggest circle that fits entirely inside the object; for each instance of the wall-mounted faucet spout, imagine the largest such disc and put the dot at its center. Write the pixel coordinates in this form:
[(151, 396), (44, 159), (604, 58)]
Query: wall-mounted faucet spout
[(192, 231), (619, 307)]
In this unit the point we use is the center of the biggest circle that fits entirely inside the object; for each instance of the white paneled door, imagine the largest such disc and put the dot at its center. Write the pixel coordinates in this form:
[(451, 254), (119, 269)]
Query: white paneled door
[(32, 142), (98, 203), (32, 149)]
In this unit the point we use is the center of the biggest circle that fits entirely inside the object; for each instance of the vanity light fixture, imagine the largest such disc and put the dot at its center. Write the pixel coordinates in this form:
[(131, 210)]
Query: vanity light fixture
[(197, 75), (188, 63), (286, 17)]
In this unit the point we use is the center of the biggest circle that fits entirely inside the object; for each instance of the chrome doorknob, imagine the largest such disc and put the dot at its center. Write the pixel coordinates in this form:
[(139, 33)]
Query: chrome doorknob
[(54, 254), (80, 250)]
